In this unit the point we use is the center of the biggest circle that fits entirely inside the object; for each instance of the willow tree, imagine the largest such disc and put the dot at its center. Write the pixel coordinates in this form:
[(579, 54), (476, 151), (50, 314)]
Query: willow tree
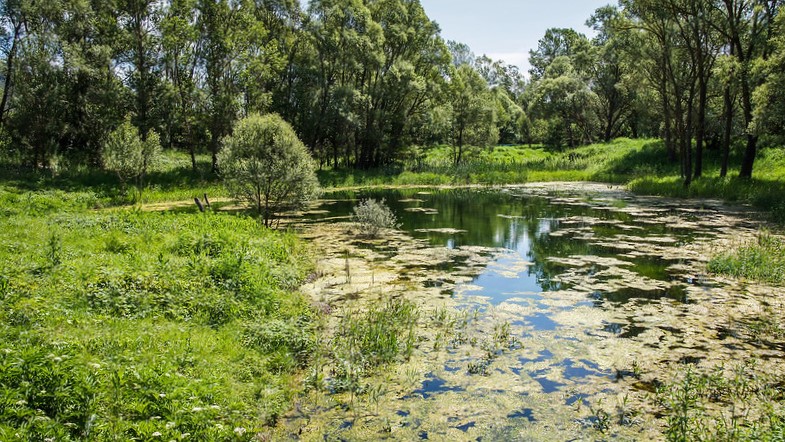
[(265, 165), (473, 106)]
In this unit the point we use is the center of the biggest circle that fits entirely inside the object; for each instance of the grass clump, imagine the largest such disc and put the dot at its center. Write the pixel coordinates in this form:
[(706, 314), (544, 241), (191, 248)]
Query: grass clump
[(366, 340), (761, 260), (374, 216)]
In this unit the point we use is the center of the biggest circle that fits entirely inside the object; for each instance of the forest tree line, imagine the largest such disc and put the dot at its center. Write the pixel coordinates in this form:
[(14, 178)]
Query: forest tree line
[(369, 83)]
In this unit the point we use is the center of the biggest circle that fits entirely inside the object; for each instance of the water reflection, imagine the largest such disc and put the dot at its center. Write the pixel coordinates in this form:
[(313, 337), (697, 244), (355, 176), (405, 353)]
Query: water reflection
[(537, 231)]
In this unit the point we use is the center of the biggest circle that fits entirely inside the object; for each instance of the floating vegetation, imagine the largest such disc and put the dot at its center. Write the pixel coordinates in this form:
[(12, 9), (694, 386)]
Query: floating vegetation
[(573, 308)]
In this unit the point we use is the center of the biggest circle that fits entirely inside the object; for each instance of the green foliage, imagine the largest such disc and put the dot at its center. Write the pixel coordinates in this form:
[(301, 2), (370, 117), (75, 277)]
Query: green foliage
[(264, 164), (706, 405), (368, 339), (760, 260), (123, 324), (127, 155), (474, 118), (373, 216)]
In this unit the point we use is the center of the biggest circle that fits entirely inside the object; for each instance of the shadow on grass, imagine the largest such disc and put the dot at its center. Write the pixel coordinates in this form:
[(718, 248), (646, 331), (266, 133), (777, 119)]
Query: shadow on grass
[(103, 183)]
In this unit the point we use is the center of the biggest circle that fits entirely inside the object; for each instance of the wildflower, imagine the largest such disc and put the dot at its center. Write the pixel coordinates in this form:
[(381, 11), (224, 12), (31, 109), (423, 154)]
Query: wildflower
[(239, 431), (170, 425), (162, 395), (197, 409), (157, 434)]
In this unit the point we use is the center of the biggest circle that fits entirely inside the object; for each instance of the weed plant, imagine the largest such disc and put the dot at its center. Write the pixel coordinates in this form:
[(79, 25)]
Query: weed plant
[(121, 324), (761, 260), (365, 340), (373, 216), (729, 403)]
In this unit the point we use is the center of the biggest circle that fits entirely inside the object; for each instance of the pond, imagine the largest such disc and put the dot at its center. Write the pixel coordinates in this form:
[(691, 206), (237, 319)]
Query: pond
[(597, 294)]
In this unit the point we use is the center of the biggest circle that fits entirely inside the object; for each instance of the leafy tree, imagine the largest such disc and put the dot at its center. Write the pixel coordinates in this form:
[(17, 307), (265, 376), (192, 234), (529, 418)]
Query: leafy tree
[(180, 59), (613, 79), (11, 32), (769, 98), (560, 42), (564, 99), (221, 28), (264, 164), (473, 116), (127, 155)]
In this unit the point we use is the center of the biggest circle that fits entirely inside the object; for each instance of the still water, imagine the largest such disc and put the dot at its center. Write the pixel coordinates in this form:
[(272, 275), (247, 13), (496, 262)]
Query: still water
[(603, 294)]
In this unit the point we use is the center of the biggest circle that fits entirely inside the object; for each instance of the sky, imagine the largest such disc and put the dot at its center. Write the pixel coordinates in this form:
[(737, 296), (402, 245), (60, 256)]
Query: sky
[(508, 29)]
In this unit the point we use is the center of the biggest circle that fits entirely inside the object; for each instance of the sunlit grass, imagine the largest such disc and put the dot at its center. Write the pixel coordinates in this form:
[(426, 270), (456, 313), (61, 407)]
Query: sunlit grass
[(760, 260), (125, 324)]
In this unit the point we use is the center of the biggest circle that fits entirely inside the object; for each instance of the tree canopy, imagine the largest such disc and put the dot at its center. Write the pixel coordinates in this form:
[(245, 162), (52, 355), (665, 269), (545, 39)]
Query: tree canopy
[(363, 81)]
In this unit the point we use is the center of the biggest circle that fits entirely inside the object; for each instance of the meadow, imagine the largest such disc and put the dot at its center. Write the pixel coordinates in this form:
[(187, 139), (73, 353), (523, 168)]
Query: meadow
[(118, 322)]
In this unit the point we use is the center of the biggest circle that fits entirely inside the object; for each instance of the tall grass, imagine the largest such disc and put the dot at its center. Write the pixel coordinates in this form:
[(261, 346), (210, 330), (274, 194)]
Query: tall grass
[(762, 260), (365, 340)]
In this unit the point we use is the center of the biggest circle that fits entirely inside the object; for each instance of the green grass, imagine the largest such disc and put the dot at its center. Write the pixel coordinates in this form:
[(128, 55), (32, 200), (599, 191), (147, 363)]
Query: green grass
[(121, 324), (761, 260), (171, 178), (642, 165)]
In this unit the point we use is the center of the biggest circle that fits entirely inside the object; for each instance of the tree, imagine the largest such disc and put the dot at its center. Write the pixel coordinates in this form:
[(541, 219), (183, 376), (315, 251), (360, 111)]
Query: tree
[(127, 155), (264, 164), (769, 98), (564, 100), (473, 118), (560, 42), (611, 71)]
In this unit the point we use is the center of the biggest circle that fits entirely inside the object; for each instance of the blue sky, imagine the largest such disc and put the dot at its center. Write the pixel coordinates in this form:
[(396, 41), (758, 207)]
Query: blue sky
[(507, 29)]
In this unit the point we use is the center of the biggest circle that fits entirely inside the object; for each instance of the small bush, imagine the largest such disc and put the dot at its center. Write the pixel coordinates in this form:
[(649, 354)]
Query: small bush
[(372, 216)]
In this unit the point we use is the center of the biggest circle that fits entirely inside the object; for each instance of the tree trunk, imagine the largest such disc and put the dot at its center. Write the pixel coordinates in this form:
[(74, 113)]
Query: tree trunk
[(726, 136), (751, 150), (700, 133), (9, 66)]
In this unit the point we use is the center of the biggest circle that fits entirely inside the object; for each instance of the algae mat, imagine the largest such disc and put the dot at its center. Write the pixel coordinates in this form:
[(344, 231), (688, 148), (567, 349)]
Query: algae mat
[(548, 311)]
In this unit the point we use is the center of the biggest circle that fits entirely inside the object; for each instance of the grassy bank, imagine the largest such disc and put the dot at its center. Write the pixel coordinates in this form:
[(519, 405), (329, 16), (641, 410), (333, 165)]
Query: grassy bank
[(642, 165), (123, 324)]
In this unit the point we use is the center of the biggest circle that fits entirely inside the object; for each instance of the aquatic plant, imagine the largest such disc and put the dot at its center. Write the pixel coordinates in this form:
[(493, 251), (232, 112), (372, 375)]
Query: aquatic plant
[(374, 216), (728, 403), (762, 260), (365, 340)]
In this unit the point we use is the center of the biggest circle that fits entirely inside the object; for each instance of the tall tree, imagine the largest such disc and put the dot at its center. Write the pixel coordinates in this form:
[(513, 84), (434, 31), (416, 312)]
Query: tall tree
[(473, 119), (220, 23)]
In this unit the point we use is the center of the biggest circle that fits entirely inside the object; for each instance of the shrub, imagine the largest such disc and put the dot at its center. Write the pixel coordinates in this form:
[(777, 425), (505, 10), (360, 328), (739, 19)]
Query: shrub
[(372, 216), (267, 166), (127, 155)]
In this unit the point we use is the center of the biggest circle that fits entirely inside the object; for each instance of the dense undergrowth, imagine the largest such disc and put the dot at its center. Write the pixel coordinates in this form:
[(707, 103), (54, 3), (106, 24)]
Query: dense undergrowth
[(121, 324)]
